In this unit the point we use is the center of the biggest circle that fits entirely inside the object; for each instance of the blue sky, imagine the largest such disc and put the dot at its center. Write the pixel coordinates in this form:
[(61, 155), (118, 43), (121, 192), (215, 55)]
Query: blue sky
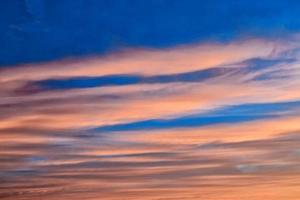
[(43, 30)]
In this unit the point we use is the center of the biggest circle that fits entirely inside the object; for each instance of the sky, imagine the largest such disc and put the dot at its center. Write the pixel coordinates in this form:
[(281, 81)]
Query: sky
[(152, 100)]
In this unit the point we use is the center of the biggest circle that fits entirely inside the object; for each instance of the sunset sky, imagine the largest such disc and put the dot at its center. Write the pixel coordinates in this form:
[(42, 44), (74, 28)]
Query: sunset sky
[(149, 100)]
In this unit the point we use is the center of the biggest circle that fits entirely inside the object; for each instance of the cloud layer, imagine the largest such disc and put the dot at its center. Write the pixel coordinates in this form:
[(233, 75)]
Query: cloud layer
[(206, 121)]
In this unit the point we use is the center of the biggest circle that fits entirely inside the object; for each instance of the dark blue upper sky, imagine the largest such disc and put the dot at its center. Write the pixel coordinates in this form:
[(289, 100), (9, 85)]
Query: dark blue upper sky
[(42, 30)]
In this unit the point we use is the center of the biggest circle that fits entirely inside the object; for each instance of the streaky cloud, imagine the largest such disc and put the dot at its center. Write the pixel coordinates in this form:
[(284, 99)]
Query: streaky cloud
[(231, 114)]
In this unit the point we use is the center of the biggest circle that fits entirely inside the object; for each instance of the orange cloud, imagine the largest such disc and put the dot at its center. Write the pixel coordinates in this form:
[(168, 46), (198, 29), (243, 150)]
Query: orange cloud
[(47, 151)]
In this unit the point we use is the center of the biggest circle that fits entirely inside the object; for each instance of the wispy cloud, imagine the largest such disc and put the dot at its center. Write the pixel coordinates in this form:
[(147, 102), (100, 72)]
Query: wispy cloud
[(179, 123)]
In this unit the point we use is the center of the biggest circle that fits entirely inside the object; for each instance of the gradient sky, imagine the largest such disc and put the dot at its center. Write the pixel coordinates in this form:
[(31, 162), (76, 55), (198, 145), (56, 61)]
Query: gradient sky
[(152, 100)]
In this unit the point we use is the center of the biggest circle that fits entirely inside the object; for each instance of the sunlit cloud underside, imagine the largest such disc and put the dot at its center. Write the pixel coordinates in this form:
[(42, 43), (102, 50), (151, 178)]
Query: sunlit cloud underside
[(203, 121)]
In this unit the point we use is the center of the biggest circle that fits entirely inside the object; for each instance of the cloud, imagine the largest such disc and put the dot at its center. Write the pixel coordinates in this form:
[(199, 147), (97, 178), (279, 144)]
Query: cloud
[(149, 61), (154, 124)]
